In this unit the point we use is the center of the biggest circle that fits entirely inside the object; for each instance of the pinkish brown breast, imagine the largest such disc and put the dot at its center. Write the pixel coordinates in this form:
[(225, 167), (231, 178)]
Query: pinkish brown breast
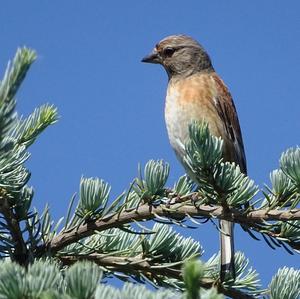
[(190, 99)]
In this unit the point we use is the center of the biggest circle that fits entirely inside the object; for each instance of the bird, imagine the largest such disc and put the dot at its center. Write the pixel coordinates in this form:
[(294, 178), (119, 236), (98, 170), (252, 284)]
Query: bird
[(196, 92)]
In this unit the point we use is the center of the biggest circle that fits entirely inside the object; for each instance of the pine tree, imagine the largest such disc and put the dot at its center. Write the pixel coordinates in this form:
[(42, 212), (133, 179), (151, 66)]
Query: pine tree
[(101, 238)]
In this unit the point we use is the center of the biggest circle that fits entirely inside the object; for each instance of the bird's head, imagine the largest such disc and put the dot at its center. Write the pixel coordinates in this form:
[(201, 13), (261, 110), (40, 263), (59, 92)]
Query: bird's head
[(180, 55)]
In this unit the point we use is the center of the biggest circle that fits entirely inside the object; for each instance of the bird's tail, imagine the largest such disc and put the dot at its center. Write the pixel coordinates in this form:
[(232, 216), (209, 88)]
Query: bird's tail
[(227, 250)]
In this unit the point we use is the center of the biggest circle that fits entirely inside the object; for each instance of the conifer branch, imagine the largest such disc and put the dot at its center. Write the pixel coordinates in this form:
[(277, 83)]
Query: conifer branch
[(130, 264), (20, 253), (176, 211)]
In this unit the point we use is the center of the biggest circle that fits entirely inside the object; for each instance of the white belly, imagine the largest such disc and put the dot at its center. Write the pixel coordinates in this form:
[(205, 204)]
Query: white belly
[(175, 122)]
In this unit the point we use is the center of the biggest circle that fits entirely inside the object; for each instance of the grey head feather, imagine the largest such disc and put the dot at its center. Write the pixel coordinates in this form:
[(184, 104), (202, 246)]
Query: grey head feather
[(182, 56)]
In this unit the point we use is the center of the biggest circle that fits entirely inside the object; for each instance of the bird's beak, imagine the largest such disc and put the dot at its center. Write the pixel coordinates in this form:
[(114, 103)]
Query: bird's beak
[(153, 57)]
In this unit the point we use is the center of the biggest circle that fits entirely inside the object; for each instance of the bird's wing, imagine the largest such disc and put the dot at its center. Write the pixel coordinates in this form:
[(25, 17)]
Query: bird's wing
[(227, 112)]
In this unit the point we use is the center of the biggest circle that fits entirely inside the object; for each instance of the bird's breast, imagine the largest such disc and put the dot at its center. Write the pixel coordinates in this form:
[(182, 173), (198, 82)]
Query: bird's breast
[(187, 100)]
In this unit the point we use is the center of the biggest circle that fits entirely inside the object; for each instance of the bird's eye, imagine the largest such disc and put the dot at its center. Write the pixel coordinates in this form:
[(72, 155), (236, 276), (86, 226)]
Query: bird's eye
[(168, 52)]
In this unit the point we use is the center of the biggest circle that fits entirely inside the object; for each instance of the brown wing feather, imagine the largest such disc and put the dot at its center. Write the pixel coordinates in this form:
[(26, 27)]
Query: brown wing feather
[(227, 112)]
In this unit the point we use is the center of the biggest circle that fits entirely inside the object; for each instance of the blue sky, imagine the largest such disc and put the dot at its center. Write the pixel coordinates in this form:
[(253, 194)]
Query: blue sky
[(111, 105)]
